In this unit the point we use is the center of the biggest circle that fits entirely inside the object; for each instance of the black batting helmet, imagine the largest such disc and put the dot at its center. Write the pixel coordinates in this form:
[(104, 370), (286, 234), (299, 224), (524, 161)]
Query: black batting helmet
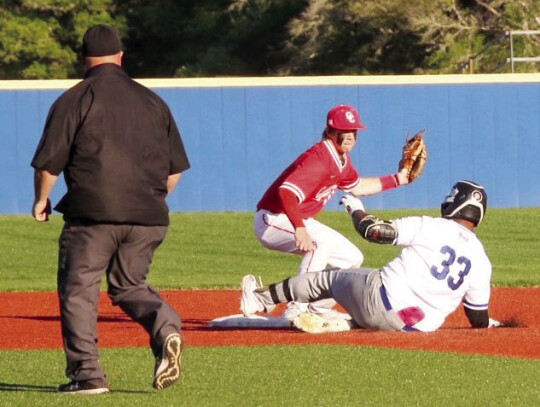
[(467, 200)]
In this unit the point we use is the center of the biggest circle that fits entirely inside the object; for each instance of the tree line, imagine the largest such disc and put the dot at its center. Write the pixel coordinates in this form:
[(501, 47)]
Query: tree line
[(40, 39)]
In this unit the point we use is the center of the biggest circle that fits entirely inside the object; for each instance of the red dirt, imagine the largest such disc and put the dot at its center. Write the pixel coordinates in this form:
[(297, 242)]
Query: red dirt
[(31, 321)]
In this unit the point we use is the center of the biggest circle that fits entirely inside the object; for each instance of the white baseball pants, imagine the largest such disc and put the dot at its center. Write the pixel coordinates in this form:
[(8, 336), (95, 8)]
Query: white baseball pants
[(276, 232), (332, 249)]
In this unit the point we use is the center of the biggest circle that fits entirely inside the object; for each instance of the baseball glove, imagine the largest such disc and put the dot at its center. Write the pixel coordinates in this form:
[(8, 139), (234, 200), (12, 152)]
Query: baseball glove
[(414, 156)]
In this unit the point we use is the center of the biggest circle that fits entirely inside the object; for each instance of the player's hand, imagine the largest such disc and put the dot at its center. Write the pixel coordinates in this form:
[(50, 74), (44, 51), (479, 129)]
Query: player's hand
[(403, 176), (352, 203), (303, 240), (493, 323), (41, 210)]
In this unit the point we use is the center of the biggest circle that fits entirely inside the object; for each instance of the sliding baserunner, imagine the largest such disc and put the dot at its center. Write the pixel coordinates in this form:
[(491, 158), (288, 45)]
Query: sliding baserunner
[(442, 264)]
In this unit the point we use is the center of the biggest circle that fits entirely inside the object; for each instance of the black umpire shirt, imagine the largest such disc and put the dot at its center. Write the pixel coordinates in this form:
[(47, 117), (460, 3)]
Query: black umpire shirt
[(116, 142)]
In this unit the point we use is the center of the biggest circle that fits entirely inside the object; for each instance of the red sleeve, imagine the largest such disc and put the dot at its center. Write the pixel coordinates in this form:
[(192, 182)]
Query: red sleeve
[(389, 181), (290, 206), (350, 179), (304, 180)]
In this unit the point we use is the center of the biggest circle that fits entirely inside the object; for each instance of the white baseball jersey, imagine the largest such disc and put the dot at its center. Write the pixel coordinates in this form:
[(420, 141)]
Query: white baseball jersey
[(441, 265)]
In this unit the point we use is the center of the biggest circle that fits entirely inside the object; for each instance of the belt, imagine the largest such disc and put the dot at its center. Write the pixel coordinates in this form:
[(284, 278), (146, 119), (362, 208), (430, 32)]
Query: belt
[(388, 307)]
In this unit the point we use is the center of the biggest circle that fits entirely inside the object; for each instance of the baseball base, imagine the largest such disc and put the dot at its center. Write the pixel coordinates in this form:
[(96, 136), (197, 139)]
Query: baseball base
[(315, 324), (255, 321)]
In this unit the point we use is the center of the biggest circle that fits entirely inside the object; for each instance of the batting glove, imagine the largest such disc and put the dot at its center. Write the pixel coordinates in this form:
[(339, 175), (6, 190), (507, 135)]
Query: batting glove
[(352, 203)]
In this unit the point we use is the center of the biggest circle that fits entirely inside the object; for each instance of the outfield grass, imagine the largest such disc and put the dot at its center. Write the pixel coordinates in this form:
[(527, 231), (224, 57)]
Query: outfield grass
[(283, 376), (214, 250)]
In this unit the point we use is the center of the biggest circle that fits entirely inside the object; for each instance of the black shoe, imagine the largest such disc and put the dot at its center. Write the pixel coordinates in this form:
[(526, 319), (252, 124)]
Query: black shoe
[(168, 364), (92, 386)]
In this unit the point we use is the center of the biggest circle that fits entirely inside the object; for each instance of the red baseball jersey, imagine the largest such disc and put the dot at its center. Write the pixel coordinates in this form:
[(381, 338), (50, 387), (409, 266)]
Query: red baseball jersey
[(314, 178)]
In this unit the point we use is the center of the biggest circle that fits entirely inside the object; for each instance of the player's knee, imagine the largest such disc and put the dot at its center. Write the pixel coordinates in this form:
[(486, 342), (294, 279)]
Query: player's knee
[(357, 259)]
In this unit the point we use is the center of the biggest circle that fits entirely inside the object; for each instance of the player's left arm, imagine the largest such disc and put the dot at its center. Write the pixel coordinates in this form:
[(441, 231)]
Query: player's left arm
[(374, 185), (481, 319), (477, 318), (476, 298), (368, 226), (374, 229), (411, 166)]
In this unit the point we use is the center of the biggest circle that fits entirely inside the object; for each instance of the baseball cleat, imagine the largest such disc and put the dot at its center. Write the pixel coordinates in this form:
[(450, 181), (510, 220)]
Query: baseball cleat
[(91, 386), (293, 310), (315, 324), (168, 364), (250, 304)]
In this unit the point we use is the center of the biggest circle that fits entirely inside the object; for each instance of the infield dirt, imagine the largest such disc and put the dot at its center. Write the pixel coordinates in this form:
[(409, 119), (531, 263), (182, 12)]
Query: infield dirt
[(31, 321)]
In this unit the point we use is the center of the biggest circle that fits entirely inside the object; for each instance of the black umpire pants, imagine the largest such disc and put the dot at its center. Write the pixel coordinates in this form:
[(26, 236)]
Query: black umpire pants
[(124, 253)]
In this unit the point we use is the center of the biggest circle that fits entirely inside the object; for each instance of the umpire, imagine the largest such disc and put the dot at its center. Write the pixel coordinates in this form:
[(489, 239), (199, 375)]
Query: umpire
[(121, 154)]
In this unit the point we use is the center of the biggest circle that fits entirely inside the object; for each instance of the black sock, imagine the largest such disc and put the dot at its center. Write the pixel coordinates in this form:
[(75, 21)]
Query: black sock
[(280, 292)]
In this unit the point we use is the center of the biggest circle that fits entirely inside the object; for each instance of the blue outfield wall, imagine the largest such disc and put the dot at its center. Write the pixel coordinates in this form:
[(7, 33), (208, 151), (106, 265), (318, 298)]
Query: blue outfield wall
[(241, 133)]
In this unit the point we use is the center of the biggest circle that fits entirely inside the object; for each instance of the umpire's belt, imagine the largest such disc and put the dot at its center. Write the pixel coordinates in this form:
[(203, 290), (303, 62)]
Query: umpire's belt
[(388, 307)]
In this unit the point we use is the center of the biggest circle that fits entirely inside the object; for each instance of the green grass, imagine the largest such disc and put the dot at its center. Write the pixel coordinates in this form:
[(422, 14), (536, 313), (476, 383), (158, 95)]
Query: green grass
[(214, 250), (283, 376)]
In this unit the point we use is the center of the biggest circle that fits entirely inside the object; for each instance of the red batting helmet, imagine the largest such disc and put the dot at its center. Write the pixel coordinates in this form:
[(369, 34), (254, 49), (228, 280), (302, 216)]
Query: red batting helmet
[(344, 117)]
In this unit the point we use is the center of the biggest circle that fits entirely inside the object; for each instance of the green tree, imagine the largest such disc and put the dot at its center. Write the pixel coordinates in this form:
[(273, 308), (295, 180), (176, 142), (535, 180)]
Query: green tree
[(165, 38), (40, 39), (459, 32), (410, 36), (352, 37), (168, 35), (206, 38)]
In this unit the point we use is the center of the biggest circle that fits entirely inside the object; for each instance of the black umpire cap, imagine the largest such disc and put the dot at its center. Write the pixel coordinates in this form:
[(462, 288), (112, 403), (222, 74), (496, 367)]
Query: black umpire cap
[(101, 40)]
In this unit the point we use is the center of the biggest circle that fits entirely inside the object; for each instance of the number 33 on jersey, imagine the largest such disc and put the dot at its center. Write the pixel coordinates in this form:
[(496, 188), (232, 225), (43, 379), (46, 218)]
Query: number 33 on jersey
[(437, 249)]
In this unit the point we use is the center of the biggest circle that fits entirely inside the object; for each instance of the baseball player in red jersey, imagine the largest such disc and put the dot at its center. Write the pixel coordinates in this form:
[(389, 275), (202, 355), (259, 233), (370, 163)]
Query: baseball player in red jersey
[(285, 221)]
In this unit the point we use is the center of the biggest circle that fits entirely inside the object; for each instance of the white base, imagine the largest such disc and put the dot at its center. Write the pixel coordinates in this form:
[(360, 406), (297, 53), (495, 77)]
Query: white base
[(255, 321)]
